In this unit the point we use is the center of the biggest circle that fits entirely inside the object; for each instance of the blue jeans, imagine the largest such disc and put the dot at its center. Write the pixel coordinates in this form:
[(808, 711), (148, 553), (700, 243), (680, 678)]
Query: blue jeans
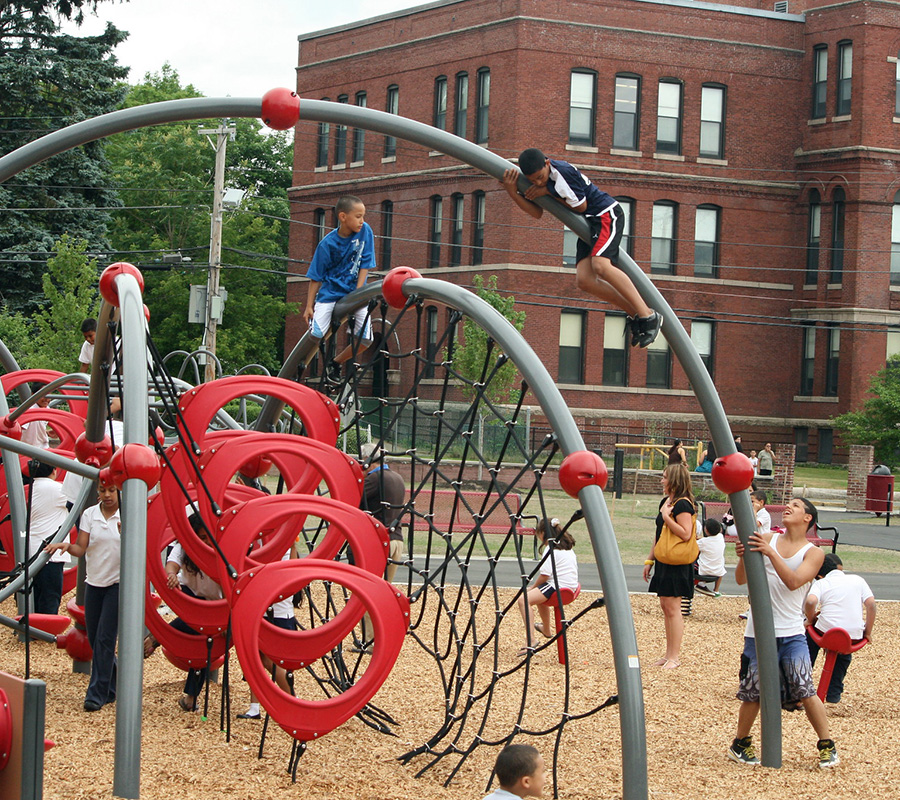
[(841, 664), (101, 619), (47, 588)]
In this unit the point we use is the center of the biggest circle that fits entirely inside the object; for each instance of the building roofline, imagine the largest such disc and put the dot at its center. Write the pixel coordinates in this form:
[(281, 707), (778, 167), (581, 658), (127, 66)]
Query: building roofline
[(720, 7)]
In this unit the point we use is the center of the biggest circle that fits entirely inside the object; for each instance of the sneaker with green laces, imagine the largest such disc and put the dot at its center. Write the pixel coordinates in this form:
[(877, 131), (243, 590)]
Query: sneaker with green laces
[(828, 756), (742, 751)]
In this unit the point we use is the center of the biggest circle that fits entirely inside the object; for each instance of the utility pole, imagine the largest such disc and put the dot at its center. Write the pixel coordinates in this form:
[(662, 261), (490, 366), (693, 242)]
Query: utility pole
[(214, 302)]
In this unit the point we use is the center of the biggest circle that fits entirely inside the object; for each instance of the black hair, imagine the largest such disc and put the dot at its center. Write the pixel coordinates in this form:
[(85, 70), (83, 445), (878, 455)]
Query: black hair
[(552, 532), (531, 160), (760, 495), (515, 762), (712, 527), (346, 203), (196, 523), (810, 509), (40, 469), (90, 324), (832, 562)]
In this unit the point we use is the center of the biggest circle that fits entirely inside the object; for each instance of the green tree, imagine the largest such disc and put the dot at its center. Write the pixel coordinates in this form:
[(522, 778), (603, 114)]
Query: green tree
[(471, 355), (70, 291), (878, 421), (49, 80), (166, 176)]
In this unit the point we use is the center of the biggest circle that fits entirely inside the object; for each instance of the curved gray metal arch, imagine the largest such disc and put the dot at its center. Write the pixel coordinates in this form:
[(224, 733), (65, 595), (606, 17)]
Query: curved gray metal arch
[(634, 776)]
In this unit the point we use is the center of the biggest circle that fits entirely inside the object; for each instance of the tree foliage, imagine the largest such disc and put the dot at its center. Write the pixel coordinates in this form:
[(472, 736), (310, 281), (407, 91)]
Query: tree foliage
[(471, 357), (166, 175), (49, 80), (878, 421)]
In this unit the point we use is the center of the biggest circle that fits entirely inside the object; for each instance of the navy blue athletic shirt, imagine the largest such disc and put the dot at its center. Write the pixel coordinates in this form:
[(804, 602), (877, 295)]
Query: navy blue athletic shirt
[(572, 186)]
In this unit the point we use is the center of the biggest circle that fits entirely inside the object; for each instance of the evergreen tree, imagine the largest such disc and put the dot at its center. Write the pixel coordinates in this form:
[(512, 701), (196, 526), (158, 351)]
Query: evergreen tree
[(49, 80)]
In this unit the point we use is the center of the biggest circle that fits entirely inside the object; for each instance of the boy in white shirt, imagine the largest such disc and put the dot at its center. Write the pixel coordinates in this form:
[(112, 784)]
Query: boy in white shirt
[(520, 773), (836, 600)]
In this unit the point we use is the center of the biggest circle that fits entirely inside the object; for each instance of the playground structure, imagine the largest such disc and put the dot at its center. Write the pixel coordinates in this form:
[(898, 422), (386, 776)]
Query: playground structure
[(401, 291)]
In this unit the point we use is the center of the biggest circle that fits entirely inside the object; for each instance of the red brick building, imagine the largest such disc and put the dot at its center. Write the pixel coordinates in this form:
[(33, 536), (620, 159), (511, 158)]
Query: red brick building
[(754, 151)]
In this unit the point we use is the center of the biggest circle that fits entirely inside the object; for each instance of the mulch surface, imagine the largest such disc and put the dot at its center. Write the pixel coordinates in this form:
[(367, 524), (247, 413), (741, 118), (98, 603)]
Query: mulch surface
[(690, 714)]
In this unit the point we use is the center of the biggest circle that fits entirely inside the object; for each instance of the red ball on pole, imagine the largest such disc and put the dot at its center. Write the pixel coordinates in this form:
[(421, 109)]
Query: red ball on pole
[(732, 473), (137, 461), (11, 429), (392, 285), (107, 283), (580, 469), (94, 454), (280, 109)]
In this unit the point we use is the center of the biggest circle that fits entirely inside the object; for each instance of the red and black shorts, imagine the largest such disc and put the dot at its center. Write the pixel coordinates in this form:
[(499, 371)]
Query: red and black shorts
[(606, 234)]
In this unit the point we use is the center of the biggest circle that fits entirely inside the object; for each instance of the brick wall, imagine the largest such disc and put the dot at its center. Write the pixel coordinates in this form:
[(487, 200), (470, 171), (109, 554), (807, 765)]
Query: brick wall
[(860, 464)]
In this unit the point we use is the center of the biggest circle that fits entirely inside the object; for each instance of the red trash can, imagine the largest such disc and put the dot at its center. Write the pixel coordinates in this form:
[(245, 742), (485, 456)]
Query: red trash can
[(880, 490)]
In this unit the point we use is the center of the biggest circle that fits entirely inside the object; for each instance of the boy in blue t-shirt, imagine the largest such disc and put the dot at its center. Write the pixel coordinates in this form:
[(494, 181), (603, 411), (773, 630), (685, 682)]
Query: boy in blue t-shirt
[(596, 270), (340, 264)]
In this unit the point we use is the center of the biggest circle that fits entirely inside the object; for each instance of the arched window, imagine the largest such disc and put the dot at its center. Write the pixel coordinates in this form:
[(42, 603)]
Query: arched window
[(322, 143), (813, 234), (392, 106), (820, 81), (662, 255), (436, 225), (439, 120), (482, 105), (478, 205), (895, 241), (359, 134), (582, 106), (461, 119), (457, 204), (838, 206), (387, 234), (340, 137), (845, 77)]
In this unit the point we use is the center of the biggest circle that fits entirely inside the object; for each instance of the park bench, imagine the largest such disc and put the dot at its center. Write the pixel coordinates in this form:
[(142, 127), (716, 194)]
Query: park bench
[(714, 510)]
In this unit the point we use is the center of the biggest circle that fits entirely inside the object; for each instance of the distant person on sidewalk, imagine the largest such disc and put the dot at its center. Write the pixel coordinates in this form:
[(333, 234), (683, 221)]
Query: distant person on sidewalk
[(836, 600), (766, 460)]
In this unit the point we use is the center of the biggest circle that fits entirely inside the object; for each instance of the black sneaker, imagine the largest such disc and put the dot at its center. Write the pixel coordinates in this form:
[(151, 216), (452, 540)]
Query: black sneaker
[(742, 751), (632, 325), (333, 372), (702, 588), (828, 756), (650, 327)]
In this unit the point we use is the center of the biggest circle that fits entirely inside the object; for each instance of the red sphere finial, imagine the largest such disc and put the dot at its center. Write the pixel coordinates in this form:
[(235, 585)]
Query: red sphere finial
[(135, 460), (280, 109), (11, 429), (94, 454), (580, 469), (107, 284), (732, 473), (392, 285)]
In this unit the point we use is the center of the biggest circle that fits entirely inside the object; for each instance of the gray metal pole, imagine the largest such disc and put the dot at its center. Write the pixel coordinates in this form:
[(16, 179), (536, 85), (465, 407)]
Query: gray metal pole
[(135, 408), (16, 492)]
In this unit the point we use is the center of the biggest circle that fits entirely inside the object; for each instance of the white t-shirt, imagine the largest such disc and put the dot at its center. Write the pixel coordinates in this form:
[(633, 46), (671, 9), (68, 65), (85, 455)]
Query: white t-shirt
[(787, 604), (566, 568), (712, 556), (104, 551), (48, 510), (200, 584), (87, 354), (36, 433), (841, 596), (762, 516)]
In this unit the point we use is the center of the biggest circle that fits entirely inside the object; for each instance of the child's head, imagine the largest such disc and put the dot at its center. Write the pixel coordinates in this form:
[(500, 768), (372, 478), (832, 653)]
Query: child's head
[(753, 454), (520, 770), (534, 165), (832, 562), (351, 213), (712, 527), (759, 499), (550, 531), (89, 329)]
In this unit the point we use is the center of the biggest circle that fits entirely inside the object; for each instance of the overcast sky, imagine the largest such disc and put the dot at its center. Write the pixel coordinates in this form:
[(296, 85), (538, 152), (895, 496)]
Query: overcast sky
[(239, 48)]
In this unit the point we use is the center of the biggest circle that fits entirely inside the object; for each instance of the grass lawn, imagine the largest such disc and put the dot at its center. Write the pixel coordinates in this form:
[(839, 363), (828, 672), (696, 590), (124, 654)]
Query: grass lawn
[(820, 477)]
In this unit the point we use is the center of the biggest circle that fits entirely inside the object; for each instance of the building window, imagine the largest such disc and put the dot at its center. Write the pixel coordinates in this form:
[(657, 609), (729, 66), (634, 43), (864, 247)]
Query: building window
[(478, 228), (838, 208), (820, 81), (626, 118), (387, 234), (340, 137), (659, 364), (662, 256), (801, 445), (893, 343), (570, 248), (482, 105), (826, 445), (712, 121), (832, 359), (706, 241), (808, 360), (431, 340), (322, 143), (702, 331), (461, 119), (359, 134), (615, 351), (627, 205), (571, 347), (813, 235), (319, 224), (895, 241), (457, 205), (668, 117), (582, 108), (434, 234), (845, 77), (440, 103), (897, 88), (392, 106)]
